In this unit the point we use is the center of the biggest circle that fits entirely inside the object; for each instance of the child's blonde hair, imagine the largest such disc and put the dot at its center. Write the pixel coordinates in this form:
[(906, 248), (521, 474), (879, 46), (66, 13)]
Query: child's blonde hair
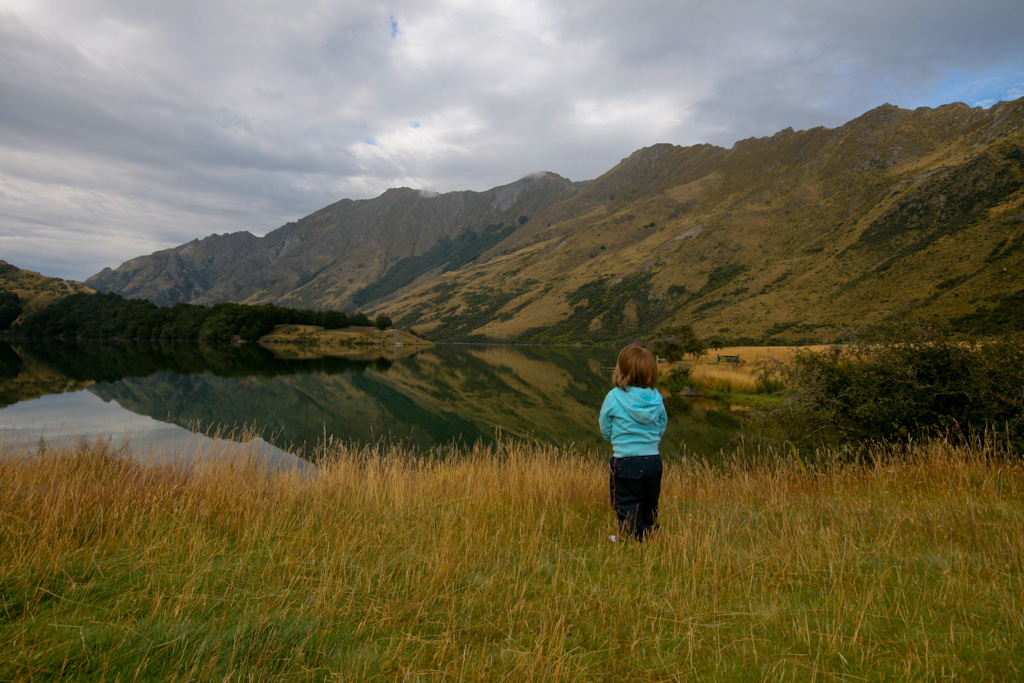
[(636, 367)]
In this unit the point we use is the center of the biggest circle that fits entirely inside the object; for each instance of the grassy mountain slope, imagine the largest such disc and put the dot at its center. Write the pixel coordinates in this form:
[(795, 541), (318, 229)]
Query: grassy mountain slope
[(35, 290), (782, 239), (898, 213)]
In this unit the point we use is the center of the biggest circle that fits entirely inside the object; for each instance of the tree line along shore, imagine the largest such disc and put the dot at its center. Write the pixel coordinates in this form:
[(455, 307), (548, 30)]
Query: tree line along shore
[(111, 316)]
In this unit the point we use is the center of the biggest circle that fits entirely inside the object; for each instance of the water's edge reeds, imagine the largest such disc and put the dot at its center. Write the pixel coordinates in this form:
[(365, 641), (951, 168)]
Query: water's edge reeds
[(495, 565)]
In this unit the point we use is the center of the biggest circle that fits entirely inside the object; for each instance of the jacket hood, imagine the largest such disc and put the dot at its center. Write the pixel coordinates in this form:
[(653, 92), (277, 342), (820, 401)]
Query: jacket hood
[(641, 403)]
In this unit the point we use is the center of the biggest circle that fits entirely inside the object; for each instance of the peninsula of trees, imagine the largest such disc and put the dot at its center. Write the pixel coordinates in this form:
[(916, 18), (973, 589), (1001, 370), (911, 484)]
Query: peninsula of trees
[(111, 316)]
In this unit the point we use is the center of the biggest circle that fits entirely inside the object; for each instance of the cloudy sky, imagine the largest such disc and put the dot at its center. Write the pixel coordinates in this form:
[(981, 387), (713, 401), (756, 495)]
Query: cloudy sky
[(128, 126)]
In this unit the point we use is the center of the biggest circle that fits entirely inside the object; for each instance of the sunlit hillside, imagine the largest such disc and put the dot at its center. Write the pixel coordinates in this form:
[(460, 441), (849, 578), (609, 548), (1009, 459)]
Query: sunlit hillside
[(786, 239), (791, 238), (36, 290)]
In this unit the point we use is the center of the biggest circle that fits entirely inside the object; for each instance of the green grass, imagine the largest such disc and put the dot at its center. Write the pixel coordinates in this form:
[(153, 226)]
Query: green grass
[(746, 398), (493, 564)]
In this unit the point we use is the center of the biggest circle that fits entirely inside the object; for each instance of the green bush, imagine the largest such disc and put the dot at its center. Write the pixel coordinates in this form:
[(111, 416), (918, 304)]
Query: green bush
[(677, 380), (769, 377), (672, 343), (904, 382), (675, 383), (10, 309)]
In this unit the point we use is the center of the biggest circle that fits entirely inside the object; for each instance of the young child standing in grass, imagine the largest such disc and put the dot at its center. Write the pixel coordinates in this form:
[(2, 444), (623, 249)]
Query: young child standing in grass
[(633, 419)]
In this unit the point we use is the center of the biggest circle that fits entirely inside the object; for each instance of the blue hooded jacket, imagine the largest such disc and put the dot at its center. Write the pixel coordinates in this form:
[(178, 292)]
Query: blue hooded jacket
[(633, 421)]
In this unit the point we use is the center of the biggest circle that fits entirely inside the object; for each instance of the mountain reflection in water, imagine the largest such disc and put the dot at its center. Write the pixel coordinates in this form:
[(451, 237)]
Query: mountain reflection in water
[(460, 393)]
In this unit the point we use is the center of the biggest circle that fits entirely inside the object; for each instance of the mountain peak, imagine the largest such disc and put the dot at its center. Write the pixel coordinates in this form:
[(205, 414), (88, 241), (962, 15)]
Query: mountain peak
[(789, 237)]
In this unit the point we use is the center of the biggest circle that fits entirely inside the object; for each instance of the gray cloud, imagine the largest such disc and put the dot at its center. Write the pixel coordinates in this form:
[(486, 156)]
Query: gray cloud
[(127, 127)]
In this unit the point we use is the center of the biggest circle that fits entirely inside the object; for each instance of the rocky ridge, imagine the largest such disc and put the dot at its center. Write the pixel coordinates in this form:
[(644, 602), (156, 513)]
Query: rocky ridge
[(897, 214)]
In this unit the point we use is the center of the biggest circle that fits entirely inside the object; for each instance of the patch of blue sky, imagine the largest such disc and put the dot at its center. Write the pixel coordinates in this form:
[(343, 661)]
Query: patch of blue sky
[(371, 141), (394, 26), (979, 89), (414, 124)]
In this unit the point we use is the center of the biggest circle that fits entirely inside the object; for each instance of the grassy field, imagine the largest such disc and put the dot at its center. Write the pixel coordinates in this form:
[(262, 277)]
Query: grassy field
[(494, 564), (709, 373)]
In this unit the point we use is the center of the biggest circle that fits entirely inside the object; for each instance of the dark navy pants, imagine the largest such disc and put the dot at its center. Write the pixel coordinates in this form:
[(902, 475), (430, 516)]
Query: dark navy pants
[(635, 484)]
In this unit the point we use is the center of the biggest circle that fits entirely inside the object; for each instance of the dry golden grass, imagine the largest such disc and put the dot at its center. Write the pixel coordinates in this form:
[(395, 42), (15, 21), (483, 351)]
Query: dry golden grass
[(493, 564), (752, 354), (36, 291), (710, 373), (723, 377)]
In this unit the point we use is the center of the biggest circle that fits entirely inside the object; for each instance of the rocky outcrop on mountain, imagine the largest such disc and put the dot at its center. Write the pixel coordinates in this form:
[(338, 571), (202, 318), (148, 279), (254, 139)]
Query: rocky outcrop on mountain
[(897, 214), (182, 274)]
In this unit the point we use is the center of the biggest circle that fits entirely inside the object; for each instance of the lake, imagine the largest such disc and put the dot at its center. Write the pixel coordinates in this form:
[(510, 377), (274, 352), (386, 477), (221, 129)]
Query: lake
[(180, 395)]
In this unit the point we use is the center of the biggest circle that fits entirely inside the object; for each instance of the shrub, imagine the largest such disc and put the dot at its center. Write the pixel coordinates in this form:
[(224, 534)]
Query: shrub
[(903, 382), (768, 377), (10, 309), (672, 343)]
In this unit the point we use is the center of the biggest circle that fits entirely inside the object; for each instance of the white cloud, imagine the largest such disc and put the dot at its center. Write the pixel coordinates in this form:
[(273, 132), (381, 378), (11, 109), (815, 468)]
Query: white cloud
[(656, 115), (130, 126)]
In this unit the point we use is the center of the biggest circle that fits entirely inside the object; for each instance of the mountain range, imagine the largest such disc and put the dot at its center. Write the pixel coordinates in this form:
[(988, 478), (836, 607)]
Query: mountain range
[(897, 214)]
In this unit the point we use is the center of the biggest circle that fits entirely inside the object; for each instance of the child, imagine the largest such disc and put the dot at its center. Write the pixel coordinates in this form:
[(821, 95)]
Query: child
[(633, 419)]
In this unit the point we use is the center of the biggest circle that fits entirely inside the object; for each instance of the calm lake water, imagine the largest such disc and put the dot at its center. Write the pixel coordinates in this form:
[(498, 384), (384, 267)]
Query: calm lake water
[(176, 394)]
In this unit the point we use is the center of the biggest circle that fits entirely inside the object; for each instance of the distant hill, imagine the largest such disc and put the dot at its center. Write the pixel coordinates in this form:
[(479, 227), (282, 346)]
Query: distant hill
[(896, 214), (35, 290), (345, 255)]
